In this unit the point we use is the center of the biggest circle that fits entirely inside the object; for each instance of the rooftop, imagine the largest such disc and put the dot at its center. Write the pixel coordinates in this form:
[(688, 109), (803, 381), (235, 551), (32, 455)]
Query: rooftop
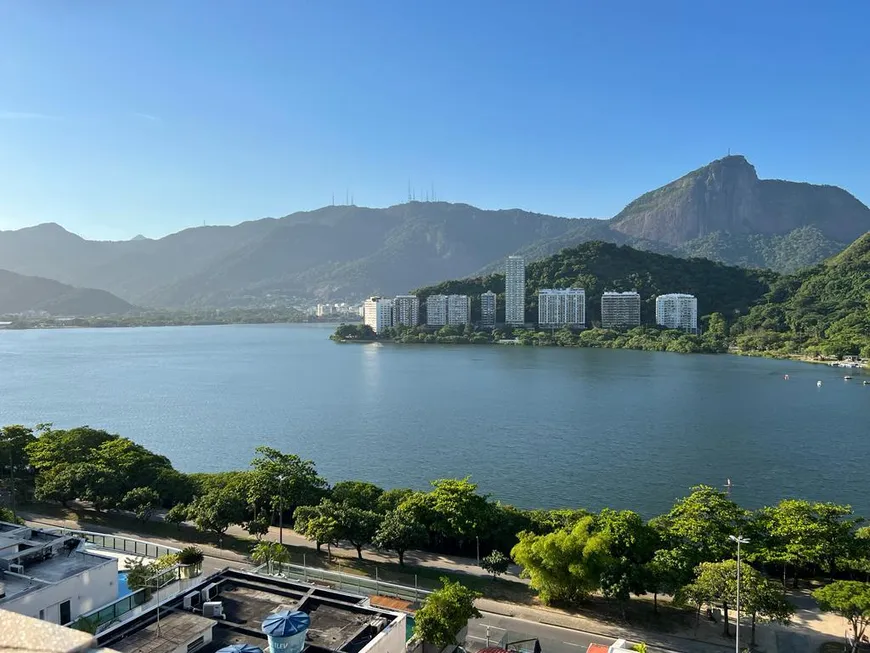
[(175, 628), (31, 558), (340, 621)]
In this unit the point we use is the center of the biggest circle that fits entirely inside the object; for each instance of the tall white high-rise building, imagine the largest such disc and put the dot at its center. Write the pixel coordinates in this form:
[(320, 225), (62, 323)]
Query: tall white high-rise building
[(488, 308), (515, 291), (620, 309), (562, 307), (436, 310), (458, 310), (406, 311), (378, 313), (677, 311)]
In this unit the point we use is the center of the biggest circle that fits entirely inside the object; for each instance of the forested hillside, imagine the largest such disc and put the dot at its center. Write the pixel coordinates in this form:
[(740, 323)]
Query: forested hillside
[(598, 266), (822, 310)]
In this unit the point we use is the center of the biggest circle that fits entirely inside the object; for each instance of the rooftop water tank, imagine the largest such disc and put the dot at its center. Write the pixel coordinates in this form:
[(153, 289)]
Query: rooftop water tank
[(241, 648), (286, 631)]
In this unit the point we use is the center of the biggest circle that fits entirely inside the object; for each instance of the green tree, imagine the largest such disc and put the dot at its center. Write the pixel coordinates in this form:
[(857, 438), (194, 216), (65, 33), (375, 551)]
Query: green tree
[(762, 599), (456, 508), (496, 563), (802, 534), (631, 544), (265, 552), (14, 440), (283, 481), (392, 499), (851, 600), (62, 484), (357, 526), (136, 465), (698, 526), (565, 565), (7, 515), (444, 613), (142, 501), (400, 531), (217, 510), (357, 494), (55, 447), (323, 529), (715, 583), (258, 527), (666, 573), (177, 515)]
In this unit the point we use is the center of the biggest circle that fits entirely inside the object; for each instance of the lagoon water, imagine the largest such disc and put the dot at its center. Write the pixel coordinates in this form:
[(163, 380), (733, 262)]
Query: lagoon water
[(536, 427)]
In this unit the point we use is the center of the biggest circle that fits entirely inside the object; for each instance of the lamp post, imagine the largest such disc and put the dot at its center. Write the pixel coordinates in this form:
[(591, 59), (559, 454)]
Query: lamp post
[(740, 540), (281, 509)]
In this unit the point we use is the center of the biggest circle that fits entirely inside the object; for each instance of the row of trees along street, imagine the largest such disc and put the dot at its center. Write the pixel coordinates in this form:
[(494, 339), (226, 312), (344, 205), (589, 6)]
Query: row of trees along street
[(567, 554)]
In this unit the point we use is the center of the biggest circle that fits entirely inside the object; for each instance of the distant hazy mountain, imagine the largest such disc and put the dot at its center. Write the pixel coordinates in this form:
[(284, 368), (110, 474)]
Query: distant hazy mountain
[(721, 211), (19, 293)]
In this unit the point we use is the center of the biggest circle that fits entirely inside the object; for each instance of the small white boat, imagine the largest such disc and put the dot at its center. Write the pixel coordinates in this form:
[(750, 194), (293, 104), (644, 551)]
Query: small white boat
[(847, 378), (818, 384)]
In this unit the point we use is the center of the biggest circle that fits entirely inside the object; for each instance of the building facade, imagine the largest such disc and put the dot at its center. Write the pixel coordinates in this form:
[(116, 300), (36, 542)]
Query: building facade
[(436, 310), (458, 310), (406, 311), (620, 309), (52, 577), (677, 311), (378, 313), (488, 308), (515, 291), (562, 307)]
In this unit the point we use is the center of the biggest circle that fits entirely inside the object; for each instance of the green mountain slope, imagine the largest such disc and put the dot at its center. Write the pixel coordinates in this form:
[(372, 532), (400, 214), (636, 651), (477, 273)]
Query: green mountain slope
[(721, 211), (19, 294), (598, 266), (821, 310)]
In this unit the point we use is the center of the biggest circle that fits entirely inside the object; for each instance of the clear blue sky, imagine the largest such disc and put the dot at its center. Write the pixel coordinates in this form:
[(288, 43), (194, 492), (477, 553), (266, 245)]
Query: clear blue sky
[(151, 116)]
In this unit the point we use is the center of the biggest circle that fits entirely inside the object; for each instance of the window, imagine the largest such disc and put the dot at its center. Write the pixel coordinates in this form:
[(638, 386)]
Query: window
[(65, 613), (195, 644), (42, 615)]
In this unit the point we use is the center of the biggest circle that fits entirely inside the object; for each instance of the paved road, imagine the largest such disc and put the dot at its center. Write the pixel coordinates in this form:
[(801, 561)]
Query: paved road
[(553, 639)]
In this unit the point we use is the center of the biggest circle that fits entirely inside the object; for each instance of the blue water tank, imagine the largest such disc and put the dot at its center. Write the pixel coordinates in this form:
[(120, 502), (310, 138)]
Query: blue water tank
[(286, 631), (241, 648)]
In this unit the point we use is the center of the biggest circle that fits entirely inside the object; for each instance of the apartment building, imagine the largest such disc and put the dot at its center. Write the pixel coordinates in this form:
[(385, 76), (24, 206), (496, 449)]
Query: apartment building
[(515, 291), (620, 309), (458, 310), (559, 307), (488, 309), (677, 311), (436, 310), (406, 311), (378, 313)]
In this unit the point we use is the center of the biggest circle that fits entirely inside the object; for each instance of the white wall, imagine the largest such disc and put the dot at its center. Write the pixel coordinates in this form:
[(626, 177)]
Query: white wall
[(390, 640), (89, 590)]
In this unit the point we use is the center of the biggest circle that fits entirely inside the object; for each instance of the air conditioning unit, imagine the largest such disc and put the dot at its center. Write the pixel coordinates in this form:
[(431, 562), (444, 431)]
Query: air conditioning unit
[(191, 600), (213, 609), (16, 569), (209, 592)]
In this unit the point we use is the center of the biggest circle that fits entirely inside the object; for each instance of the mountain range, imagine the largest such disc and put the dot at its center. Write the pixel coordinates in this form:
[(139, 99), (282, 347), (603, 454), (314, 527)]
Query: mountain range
[(19, 294), (721, 211)]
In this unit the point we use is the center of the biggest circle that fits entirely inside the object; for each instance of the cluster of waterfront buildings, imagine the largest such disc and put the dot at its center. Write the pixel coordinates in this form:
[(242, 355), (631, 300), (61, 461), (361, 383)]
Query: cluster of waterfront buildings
[(557, 307)]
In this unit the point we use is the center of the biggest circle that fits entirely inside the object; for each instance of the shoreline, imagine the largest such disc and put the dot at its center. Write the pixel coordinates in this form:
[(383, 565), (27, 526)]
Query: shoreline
[(797, 358)]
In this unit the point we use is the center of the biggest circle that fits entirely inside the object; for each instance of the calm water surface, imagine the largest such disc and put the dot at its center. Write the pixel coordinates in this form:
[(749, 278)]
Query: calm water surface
[(535, 427)]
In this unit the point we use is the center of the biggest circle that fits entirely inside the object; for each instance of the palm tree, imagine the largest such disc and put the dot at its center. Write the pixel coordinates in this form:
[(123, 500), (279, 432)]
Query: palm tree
[(268, 552)]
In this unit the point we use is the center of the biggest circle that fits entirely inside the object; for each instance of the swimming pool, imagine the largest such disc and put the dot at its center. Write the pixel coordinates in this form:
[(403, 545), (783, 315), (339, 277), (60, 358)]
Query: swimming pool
[(123, 589)]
